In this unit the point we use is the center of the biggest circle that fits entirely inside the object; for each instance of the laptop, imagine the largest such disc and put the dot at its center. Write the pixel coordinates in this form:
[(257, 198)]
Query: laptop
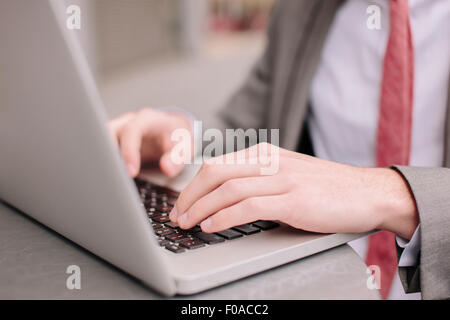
[(60, 166)]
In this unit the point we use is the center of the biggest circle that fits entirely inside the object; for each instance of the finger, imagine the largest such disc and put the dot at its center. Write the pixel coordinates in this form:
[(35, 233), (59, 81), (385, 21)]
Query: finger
[(207, 179), (176, 153), (246, 211), (168, 167), (114, 126), (130, 139), (228, 194)]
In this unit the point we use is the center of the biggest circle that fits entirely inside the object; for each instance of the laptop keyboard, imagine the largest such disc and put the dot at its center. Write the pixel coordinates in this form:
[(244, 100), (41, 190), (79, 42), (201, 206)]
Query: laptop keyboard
[(158, 201)]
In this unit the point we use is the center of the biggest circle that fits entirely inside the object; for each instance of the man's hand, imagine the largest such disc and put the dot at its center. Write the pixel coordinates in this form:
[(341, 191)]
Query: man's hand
[(307, 193), (145, 136)]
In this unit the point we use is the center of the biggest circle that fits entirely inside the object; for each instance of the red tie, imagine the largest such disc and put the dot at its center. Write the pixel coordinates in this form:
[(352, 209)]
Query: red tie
[(394, 126)]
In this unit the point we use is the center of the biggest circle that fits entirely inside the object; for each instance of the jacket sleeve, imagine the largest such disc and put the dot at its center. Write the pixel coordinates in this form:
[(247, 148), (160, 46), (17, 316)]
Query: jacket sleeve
[(431, 190)]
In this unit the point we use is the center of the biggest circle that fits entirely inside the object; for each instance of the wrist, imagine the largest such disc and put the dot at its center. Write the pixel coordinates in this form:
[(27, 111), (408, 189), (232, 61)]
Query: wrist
[(396, 205)]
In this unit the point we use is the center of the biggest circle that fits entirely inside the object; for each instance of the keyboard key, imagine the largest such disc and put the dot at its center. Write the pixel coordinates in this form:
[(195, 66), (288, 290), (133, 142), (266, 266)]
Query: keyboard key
[(141, 184), (177, 237), (247, 229), (156, 225), (175, 248), (143, 195), (171, 224), (229, 234), (192, 244), (150, 199), (209, 238), (165, 209), (193, 230), (161, 219), (265, 225), (150, 208), (162, 197), (158, 201), (163, 242), (154, 214), (164, 231)]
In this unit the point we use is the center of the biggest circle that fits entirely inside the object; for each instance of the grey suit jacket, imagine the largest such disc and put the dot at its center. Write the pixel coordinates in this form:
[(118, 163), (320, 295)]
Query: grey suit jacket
[(276, 96)]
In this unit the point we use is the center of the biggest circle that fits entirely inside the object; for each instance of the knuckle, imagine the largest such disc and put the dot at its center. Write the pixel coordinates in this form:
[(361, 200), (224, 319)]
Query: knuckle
[(231, 186), (207, 168), (252, 205), (145, 111), (210, 161), (291, 180)]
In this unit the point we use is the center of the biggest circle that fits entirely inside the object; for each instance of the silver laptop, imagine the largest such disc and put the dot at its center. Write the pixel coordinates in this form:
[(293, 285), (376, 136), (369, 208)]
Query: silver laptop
[(60, 166)]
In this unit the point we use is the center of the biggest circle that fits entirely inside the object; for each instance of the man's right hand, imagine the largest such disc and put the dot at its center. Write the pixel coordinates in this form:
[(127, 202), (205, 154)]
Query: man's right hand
[(145, 136)]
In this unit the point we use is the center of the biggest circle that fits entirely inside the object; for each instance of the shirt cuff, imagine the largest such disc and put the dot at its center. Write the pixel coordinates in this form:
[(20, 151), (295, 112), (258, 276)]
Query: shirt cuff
[(410, 255)]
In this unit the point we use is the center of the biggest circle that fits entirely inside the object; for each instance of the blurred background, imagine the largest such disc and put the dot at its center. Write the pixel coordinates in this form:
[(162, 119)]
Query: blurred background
[(191, 54)]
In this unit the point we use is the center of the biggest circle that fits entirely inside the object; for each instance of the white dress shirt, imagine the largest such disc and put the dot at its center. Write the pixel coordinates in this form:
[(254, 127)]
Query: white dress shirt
[(345, 94)]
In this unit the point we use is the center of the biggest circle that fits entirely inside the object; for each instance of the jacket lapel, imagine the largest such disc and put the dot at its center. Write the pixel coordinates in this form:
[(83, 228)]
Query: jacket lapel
[(301, 67)]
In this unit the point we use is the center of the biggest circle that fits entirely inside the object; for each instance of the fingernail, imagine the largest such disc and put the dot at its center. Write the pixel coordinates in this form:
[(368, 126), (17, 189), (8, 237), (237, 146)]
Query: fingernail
[(182, 219), (173, 214), (206, 224), (131, 170)]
